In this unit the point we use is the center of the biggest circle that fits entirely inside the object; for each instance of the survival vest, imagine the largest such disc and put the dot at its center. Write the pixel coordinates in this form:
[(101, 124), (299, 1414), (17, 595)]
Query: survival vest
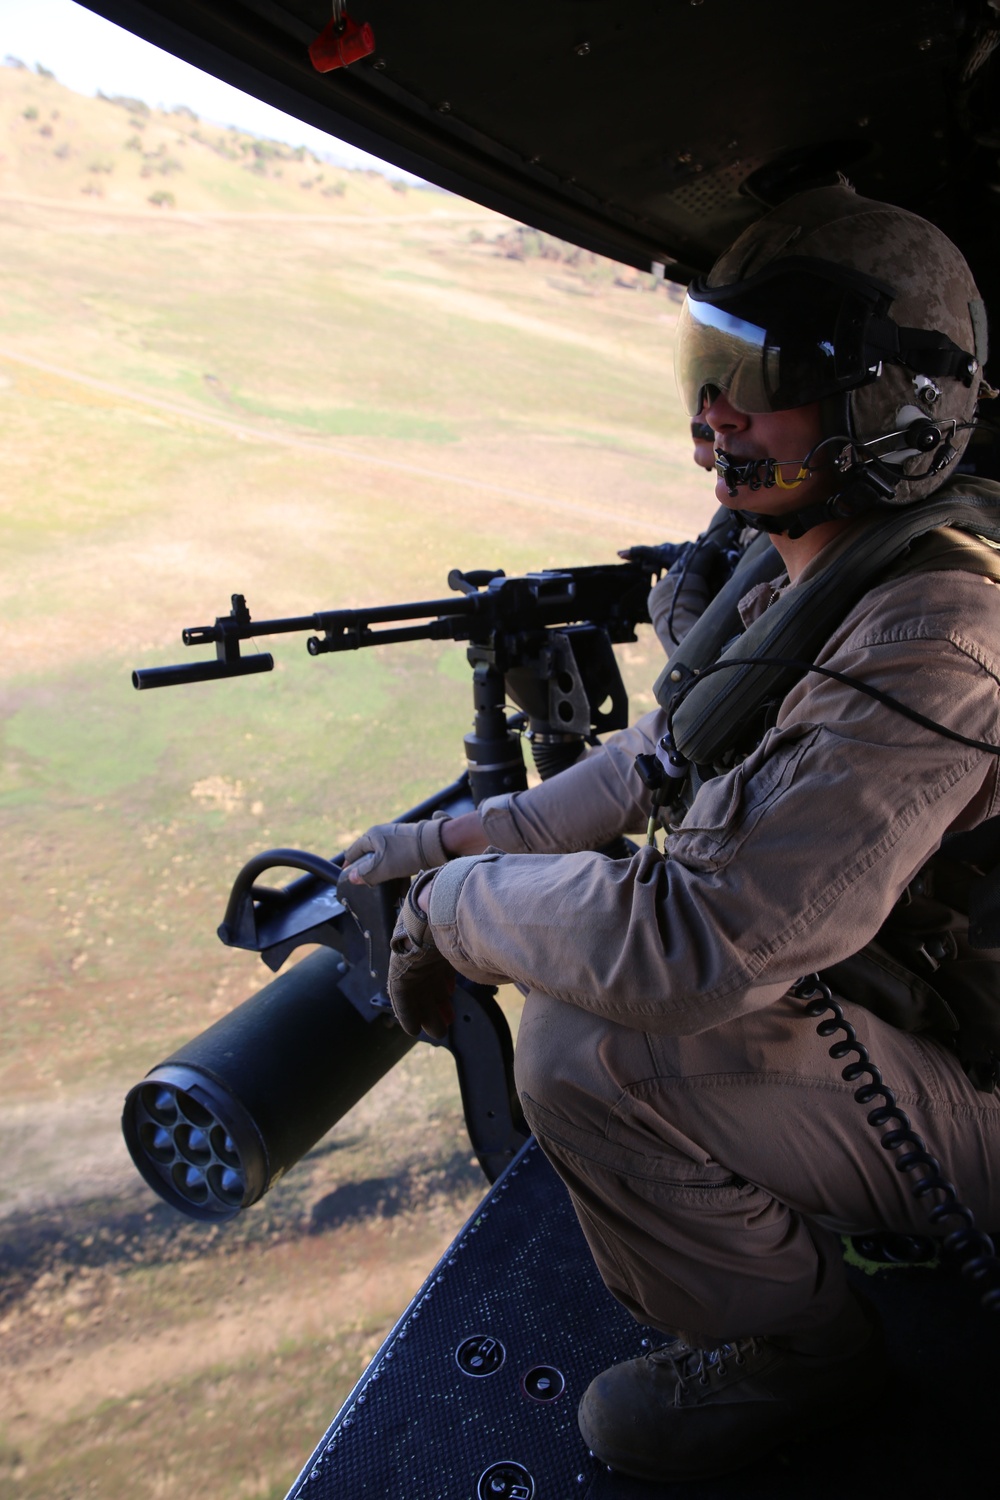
[(935, 964)]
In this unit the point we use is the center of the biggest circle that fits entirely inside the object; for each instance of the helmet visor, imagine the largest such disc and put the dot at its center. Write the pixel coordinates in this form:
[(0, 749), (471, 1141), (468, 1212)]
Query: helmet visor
[(793, 334)]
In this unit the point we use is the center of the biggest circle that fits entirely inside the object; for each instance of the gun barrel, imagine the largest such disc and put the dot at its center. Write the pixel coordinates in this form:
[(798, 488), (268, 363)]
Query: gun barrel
[(354, 637), (228, 629), (341, 620), (421, 609)]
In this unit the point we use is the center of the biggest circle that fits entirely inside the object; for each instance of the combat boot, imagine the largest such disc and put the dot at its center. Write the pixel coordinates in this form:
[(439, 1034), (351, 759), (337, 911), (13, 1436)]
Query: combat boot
[(681, 1412)]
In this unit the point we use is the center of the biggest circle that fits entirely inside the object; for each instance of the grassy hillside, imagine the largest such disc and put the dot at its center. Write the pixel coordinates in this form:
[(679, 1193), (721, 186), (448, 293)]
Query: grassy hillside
[(312, 411), (60, 145)]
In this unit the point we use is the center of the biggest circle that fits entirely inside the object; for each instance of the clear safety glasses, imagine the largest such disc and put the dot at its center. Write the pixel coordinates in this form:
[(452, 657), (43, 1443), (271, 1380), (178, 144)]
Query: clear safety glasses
[(792, 334)]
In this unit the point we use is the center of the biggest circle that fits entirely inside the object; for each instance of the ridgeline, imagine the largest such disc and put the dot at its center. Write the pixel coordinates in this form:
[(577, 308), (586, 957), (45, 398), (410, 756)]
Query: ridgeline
[(56, 144)]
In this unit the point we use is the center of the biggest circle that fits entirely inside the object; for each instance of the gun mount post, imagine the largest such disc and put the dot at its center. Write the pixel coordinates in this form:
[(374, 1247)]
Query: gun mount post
[(493, 750)]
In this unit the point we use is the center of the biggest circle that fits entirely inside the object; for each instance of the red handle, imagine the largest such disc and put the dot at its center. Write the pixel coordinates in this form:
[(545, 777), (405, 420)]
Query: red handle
[(339, 46)]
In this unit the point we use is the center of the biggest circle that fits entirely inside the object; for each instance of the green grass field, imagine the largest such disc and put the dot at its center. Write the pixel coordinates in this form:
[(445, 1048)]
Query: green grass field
[(316, 399)]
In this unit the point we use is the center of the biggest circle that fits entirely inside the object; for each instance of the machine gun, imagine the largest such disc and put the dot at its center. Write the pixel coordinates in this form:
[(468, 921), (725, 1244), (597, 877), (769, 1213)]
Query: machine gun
[(543, 640), (216, 1124)]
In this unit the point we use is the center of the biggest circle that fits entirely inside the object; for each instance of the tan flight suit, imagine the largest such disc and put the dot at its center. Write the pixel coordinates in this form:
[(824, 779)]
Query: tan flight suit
[(711, 1146)]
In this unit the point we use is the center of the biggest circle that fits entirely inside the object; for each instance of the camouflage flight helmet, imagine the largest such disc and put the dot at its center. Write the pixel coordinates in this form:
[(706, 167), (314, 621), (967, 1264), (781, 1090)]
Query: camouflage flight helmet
[(856, 304)]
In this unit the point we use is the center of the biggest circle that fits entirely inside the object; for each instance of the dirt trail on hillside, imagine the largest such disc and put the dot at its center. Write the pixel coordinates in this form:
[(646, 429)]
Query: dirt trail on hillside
[(344, 218), (299, 1293)]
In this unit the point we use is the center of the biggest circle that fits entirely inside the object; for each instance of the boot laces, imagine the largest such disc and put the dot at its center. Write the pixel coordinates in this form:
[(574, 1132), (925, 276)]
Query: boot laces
[(692, 1364)]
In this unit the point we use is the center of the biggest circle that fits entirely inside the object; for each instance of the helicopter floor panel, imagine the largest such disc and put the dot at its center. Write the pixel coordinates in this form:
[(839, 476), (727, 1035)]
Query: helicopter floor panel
[(473, 1395)]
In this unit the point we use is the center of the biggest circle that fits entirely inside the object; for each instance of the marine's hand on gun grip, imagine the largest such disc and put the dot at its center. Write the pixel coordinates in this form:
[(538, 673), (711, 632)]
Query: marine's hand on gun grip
[(421, 981), (393, 851)]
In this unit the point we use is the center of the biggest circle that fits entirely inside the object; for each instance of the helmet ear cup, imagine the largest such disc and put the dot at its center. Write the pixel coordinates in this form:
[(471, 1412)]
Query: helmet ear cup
[(889, 404)]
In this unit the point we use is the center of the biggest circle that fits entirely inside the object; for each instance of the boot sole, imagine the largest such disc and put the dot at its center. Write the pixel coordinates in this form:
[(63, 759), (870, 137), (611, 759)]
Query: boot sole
[(805, 1427)]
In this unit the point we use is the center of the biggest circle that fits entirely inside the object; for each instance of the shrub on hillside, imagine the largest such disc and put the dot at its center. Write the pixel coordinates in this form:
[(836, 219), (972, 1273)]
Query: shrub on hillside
[(522, 243), (162, 199), (134, 106), (162, 166)]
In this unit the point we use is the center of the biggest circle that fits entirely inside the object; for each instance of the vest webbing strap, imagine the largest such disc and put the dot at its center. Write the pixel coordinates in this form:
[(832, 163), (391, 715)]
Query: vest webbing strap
[(948, 551), (714, 716)]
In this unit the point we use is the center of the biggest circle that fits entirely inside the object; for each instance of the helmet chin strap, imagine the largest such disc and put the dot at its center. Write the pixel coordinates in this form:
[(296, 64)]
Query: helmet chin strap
[(865, 486), (867, 481)]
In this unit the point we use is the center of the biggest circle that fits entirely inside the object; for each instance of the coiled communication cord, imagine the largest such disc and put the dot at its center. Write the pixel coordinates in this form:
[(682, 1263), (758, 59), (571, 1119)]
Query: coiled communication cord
[(973, 1250)]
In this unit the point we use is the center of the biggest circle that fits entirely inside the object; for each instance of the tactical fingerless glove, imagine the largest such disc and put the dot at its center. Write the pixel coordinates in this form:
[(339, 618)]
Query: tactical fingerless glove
[(393, 851)]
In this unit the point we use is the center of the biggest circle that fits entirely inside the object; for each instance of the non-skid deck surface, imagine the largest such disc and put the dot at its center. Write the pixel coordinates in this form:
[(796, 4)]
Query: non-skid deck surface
[(518, 1302)]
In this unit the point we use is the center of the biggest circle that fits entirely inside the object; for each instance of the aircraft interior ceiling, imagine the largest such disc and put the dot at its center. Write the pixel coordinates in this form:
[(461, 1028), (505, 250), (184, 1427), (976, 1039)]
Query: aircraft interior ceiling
[(651, 131)]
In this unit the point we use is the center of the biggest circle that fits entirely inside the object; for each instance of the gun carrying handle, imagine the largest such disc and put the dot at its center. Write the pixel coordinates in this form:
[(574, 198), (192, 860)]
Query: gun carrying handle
[(238, 928), (474, 580)]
